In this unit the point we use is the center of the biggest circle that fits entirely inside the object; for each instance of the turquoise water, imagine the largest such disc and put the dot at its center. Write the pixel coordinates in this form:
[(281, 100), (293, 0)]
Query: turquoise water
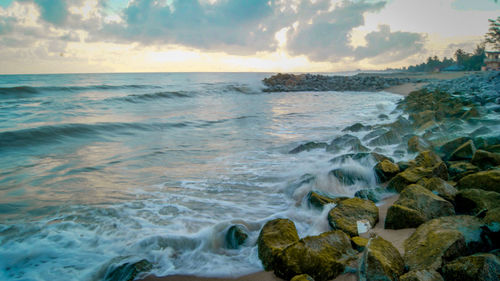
[(102, 169)]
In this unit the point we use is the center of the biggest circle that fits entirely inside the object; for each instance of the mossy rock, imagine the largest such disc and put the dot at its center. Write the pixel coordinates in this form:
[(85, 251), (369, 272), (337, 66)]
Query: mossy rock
[(374, 134), (441, 187), (423, 117), (357, 127), (492, 219), (318, 201), (308, 146), (463, 152), (346, 214), (415, 206), (442, 239), (274, 237), (448, 148), (372, 194), (409, 176), (386, 170), (427, 159), (127, 271), (493, 148), (471, 268), (323, 257), (347, 141), (236, 235), (471, 113), (359, 243), (302, 277), (487, 180), (387, 138), (418, 144), (422, 275), (475, 201), (349, 177), (484, 159), (460, 169), (381, 261)]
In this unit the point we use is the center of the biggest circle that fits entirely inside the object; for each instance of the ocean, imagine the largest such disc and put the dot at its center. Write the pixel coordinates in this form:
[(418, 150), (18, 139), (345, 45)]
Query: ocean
[(98, 170)]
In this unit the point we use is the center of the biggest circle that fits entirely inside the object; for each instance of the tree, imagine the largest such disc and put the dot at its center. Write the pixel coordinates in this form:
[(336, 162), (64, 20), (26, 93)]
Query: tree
[(493, 34)]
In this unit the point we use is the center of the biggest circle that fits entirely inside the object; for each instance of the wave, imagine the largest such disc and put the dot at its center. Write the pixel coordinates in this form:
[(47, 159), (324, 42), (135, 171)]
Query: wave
[(57, 133), (243, 89), (35, 90), (154, 96)]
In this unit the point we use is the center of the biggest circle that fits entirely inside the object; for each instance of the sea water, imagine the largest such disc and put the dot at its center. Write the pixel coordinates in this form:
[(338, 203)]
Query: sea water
[(97, 170)]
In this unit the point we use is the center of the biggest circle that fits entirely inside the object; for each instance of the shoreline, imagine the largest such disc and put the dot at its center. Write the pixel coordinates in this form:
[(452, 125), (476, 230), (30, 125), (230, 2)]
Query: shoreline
[(396, 237)]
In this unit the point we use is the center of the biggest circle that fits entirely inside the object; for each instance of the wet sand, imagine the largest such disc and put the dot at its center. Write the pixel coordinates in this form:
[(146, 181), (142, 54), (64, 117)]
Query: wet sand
[(396, 237)]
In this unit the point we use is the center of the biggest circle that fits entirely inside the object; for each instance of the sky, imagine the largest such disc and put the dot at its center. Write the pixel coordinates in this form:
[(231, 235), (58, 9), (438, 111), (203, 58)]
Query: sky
[(90, 36)]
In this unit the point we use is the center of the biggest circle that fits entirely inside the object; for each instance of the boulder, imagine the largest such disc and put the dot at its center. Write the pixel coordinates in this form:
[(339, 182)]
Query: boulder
[(346, 214), (422, 117), (381, 261), (487, 180), (322, 257), (373, 194), (308, 146), (493, 148), (357, 127), (375, 133), (440, 187), (302, 277), (484, 159), (127, 271), (475, 201), (387, 138), (236, 235), (427, 159), (480, 131), (359, 243), (448, 148), (471, 268), (440, 170), (417, 144), (422, 275), (318, 201), (349, 176), (492, 219), (274, 237), (409, 176), (471, 113), (415, 206), (458, 170), (463, 152), (346, 142), (386, 170), (442, 239)]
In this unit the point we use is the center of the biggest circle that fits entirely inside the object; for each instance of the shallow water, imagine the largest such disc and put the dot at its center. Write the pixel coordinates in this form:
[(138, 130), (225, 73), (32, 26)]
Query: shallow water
[(101, 169)]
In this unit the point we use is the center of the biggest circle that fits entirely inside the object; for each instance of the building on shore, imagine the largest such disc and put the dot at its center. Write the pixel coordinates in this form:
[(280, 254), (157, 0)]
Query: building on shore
[(492, 61)]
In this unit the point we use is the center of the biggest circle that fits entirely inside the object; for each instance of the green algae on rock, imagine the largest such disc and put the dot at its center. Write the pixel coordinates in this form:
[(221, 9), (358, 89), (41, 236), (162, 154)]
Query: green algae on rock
[(346, 214), (440, 187), (422, 275), (474, 201), (487, 180), (442, 239), (128, 271), (359, 243), (323, 257), (464, 152), (381, 261), (485, 159), (302, 277), (318, 201), (386, 170), (476, 267), (236, 235), (274, 237)]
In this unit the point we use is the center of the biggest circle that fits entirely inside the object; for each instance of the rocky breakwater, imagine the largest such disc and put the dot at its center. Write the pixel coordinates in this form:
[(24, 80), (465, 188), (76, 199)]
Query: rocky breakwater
[(310, 82), (448, 183)]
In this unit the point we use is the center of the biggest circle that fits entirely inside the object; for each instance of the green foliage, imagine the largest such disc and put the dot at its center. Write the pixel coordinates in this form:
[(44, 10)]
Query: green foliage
[(463, 61), (493, 34)]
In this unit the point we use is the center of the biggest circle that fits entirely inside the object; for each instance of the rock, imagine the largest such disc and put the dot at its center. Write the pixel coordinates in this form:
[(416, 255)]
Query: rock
[(401, 125), (372, 194), (357, 127), (417, 144), (448, 148), (302, 277), (387, 138), (127, 271), (471, 113), (493, 148), (487, 180), (386, 170), (403, 165), (318, 201), (492, 219), (382, 117), (463, 152), (474, 201), (349, 177), (381, 261), (375, 133), (442, 188), (442, 239), (348, 142), (274, 237), (484, 159), (308, 146), (409, 176), (440, 170), (427, 159), (481, 131), (359, 243), (458, 170), (422, 275), (346, 214), (323, 257), (415, 206), (471, 268), (236, 235), (423, 117), (379, 157)]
